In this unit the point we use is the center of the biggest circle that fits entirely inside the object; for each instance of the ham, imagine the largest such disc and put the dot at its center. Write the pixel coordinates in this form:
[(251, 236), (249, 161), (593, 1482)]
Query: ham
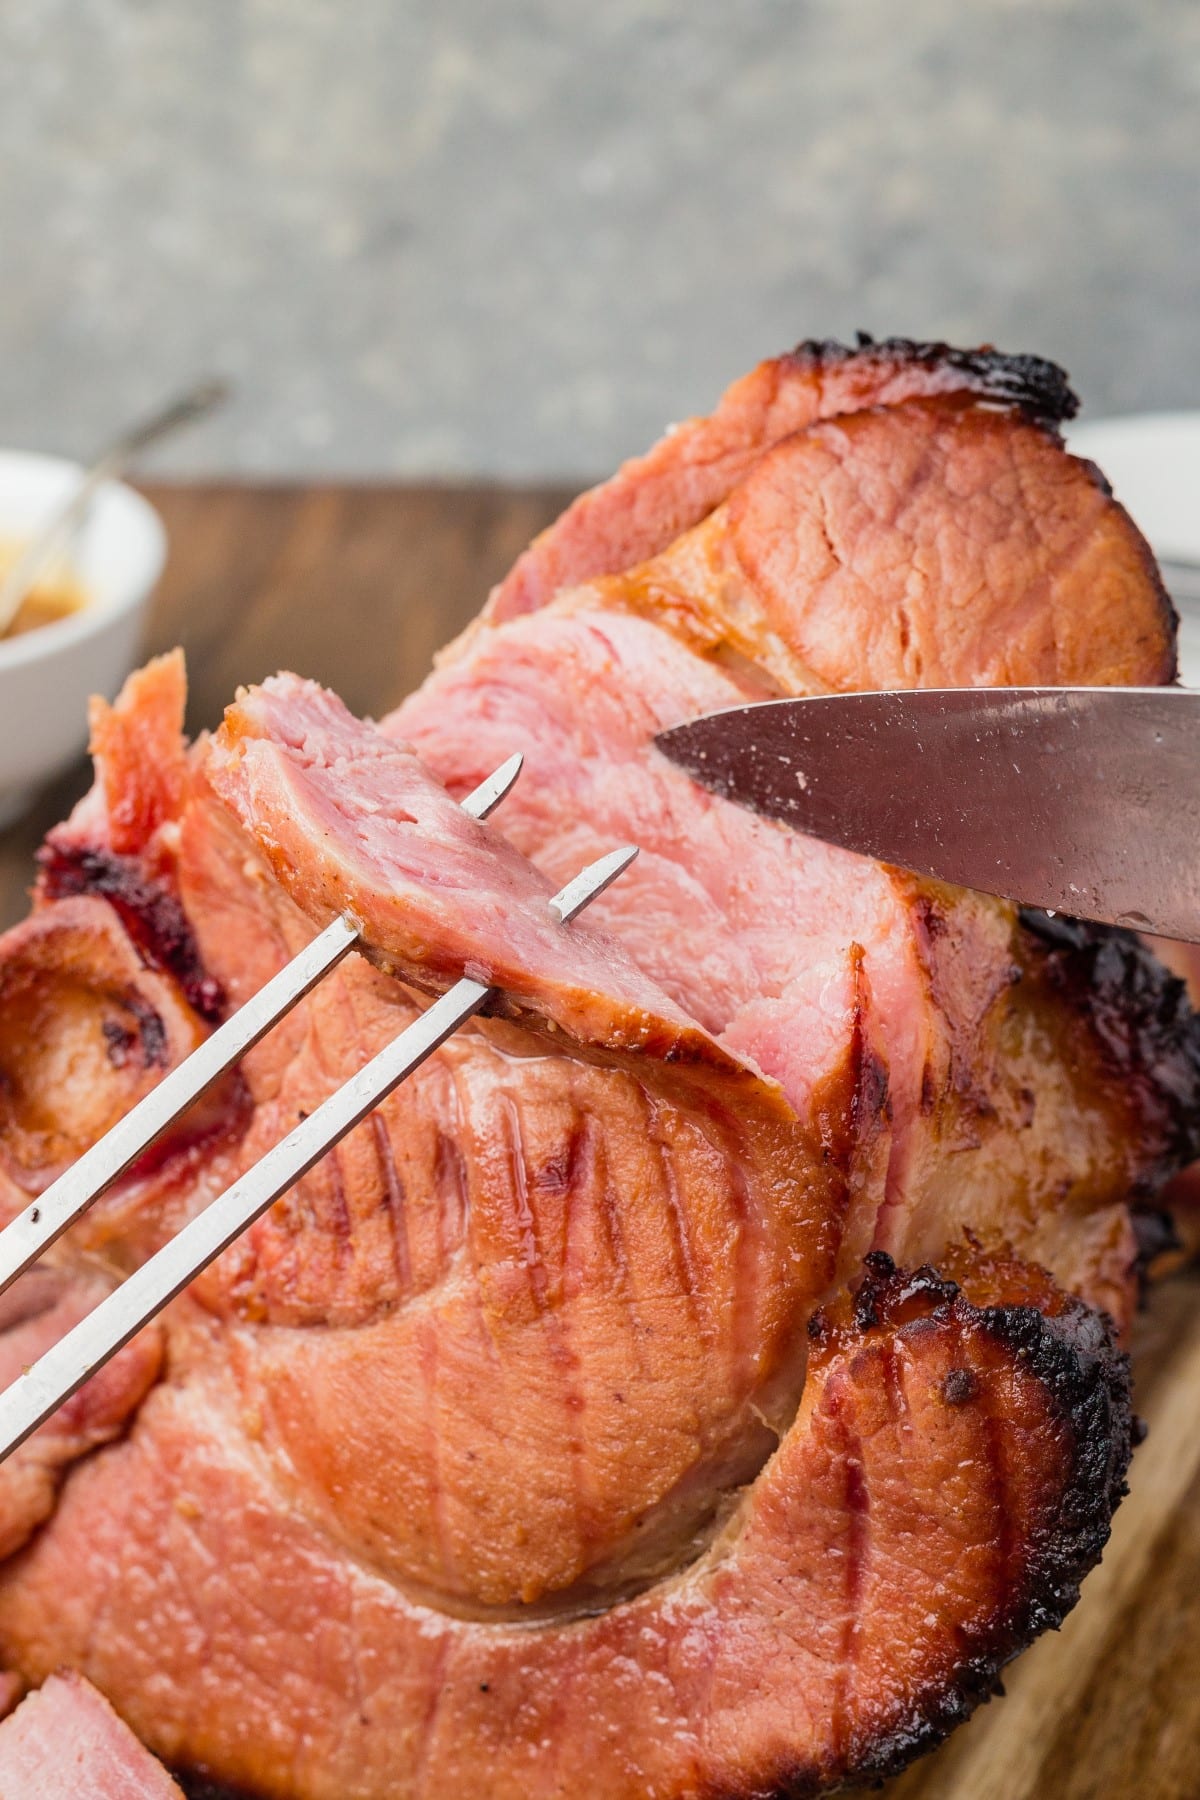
[(66, 1743), (941, 1494), (964, 993), (737, 1232), (653, 498), (706, 1371), (354, 824), (34, 1313)]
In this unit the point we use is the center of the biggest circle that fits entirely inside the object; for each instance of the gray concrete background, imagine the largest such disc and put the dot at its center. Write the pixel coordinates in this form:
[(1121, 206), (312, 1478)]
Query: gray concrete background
[(515, 239)]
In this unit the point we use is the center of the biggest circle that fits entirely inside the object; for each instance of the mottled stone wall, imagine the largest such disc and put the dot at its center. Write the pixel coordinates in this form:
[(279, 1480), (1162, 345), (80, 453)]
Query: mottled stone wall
[(515, 237)]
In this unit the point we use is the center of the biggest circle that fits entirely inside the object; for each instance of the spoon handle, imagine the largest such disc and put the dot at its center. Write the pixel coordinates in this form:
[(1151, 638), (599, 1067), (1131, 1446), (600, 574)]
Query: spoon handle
[(58, 530)]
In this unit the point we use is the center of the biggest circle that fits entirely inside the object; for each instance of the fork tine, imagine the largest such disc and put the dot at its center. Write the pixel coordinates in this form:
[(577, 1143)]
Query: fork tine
[(482, 801), (45, 1219), (590, 883), (68, 1364)]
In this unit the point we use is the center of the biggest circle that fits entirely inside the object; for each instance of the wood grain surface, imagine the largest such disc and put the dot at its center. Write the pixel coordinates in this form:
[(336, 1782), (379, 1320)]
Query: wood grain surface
[(359, 587)]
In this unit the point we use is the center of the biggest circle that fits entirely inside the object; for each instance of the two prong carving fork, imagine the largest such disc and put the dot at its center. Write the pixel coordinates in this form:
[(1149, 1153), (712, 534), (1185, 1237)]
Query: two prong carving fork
[(64, 1368)]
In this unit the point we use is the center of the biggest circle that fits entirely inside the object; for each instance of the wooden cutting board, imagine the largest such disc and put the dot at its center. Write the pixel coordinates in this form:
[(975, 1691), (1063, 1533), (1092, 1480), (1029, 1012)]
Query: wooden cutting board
[(359, 586)]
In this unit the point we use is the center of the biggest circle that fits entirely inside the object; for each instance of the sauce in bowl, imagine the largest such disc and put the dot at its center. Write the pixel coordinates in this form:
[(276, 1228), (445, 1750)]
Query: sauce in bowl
[(55, 595)]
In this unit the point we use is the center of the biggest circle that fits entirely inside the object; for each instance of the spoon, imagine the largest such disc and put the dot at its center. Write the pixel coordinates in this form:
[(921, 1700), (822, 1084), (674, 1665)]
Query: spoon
[(60, 528)]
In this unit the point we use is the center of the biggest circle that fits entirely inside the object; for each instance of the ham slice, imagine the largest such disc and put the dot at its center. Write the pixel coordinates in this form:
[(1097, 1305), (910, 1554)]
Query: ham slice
[(66, 1743), (353, 823), (549, 1437), (653, 498), (972, 1081), (753, 1201)]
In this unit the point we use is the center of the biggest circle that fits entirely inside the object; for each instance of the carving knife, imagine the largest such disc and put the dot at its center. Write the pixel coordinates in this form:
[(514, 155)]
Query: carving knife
[(1084, 801)]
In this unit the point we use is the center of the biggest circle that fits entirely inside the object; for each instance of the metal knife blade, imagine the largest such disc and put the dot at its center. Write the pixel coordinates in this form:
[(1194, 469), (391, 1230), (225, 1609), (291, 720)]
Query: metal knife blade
[(1078, 800)]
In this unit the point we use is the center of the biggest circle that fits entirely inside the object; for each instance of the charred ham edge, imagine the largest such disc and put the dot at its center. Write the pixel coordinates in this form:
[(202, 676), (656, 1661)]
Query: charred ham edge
[(1033, 1397), (653, 498), (65, 1741), (149, 911), (1143, 1023), (113, 845), (1072, 1352)]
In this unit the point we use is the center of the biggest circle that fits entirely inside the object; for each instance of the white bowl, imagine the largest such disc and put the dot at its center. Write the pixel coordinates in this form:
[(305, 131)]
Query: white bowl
[(48, 675)]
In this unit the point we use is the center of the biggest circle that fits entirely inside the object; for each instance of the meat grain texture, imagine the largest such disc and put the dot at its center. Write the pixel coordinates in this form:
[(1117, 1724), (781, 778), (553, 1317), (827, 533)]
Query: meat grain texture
[(705, 1373)]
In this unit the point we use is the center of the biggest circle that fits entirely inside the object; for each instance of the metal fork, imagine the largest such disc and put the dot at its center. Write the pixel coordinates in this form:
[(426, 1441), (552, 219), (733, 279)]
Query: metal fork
[(64, 1368)]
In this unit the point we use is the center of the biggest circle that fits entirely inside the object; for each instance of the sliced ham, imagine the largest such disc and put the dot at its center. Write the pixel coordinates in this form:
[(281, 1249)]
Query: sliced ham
[(980, 1103), (738, 1228), (354, 824), (653, 498), (943, 544), (66, 1743), (547, 1437)]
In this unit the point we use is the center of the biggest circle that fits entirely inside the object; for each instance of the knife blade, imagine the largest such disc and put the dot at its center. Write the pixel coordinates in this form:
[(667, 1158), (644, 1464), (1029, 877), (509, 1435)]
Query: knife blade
[(1084, 801)]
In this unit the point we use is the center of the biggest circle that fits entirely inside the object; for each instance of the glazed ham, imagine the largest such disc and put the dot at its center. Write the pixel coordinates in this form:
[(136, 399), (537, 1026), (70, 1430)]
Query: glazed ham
[(66, 1743), (936, 1502), (651, 500), (704, 1373)]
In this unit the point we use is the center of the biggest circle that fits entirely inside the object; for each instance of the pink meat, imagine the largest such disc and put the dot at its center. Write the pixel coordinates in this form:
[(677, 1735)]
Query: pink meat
[(65, 1742), (34, 1314), (548, 1437), (353, 823), (765, 910)]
